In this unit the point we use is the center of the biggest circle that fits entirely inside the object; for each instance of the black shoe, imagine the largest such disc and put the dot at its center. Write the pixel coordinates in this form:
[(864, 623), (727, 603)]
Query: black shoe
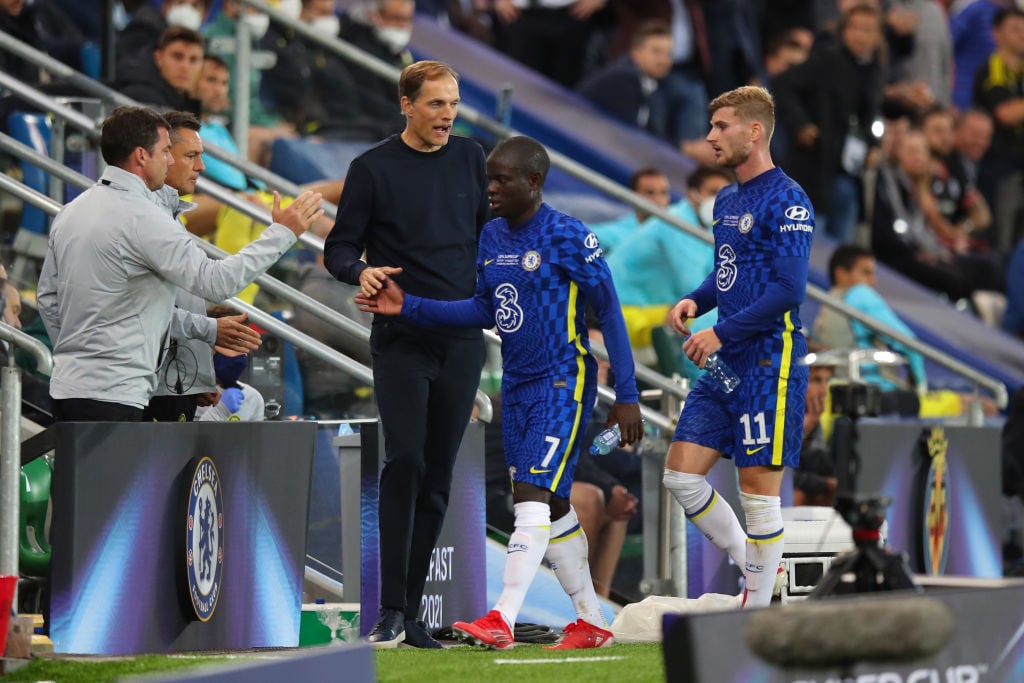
[(416, 635), (389, 630)]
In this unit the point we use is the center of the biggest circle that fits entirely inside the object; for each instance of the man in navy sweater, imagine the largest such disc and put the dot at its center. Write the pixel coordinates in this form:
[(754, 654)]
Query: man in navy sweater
[(416, 203)]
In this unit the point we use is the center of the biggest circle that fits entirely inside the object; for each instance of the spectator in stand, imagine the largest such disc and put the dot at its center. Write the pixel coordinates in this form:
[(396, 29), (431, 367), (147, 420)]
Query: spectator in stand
[(625, 89), (926, 69), (651, 184), (264, 126), (828, 104), (309, 86), (781, 52), (734, 43), (166, 78), (383, 28), (999, 90), (660, 260), (851, 270), (971, 26), (232, 229), (549, 36), (973, 136), (814, 479), (44, 26), (963, 210), (682, 97), (903, 227), (148, 23), (1013, 319), (16, 20)]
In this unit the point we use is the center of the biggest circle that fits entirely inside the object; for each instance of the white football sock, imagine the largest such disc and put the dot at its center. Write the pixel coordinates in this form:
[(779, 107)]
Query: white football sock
[(526, 548), (764, 547), (708, 512), (567, 553)]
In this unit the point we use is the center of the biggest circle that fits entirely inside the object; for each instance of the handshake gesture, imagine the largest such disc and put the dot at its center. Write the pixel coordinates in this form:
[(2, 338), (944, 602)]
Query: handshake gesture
[(379, 293)]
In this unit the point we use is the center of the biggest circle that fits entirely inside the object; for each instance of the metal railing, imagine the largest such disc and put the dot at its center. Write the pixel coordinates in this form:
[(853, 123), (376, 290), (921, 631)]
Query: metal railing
[(90, 127), (10, 439), (85, 84), (621, 193)]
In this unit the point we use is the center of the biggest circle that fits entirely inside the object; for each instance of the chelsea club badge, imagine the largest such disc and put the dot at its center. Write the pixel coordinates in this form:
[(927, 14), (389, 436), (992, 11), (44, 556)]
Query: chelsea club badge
[(204, 544)]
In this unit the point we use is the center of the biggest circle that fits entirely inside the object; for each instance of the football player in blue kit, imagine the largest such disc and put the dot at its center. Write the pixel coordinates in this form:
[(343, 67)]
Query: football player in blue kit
[(763, 226), (537, 271)]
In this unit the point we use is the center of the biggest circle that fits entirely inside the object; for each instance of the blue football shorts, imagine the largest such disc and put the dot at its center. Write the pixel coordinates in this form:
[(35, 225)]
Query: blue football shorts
[(760, 423), (543, 432)]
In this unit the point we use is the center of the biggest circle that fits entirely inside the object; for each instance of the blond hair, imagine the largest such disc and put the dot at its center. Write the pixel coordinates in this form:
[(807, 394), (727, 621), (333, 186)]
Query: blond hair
[(751, 103), (416, 74)]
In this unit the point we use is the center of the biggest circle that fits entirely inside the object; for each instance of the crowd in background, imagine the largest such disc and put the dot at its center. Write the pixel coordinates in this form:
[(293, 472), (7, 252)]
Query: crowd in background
[(902, 119)]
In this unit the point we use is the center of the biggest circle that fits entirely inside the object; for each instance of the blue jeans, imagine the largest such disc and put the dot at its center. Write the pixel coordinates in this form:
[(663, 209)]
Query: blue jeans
[(841, 220), (679, 107)]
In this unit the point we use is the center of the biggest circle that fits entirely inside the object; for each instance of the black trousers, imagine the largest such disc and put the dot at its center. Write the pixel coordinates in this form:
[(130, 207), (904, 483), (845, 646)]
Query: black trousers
[(171, 408), (91, 410), (425, 385)]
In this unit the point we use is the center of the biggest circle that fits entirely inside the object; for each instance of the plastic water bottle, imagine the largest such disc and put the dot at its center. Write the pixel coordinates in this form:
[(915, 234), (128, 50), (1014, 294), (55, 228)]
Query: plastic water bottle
[(606, 441), (724, 377)]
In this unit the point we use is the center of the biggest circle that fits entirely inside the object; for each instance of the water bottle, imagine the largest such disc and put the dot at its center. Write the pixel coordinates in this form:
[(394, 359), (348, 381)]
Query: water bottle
[(725, 379), (606, 440)]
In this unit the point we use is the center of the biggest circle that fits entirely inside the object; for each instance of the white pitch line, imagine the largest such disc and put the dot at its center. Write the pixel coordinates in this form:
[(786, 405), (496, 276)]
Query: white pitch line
[(564, 660)]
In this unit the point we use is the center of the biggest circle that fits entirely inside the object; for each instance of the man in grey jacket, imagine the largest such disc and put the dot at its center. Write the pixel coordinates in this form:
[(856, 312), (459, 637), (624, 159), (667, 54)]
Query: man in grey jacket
[(186, 378), (114, 260)]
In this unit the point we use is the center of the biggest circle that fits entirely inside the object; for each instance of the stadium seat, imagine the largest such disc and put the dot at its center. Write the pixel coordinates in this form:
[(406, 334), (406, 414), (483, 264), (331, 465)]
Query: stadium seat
[(33, 545), (30, 240)]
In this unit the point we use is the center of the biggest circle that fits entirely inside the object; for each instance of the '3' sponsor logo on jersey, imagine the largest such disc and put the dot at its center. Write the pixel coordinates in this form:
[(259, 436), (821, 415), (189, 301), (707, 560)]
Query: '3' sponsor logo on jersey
[(509, 316), (726, 275)]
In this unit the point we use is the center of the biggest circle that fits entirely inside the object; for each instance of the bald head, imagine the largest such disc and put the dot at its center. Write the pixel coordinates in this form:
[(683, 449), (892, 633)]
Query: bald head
[(523, 153)]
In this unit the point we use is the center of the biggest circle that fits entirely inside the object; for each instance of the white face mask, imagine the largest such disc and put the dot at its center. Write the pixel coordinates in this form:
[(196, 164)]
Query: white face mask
[(326, 26), (258, 25), (185, 15), (290, 8), (397, 39), (706, 211)]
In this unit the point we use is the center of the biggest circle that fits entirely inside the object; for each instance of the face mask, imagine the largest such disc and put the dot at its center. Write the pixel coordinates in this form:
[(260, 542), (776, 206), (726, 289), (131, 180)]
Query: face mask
[(185, 15), (326, 26), (395, 38), (258, 25), (290, 8), (706, 211)]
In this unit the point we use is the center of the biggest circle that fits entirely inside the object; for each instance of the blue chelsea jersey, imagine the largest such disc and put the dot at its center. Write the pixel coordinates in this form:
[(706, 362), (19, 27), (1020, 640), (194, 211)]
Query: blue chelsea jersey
[(536, 276), (767, 217)]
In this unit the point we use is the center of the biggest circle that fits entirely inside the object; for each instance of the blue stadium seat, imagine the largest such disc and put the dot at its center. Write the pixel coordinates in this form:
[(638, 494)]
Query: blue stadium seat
[(30, 240), (32, 130)]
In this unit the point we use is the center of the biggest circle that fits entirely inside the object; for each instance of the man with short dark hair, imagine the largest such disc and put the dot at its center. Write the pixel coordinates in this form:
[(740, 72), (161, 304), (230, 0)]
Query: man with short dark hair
[(166, 77), (624, 89), (186, 378), (415, 204), (115, 256)]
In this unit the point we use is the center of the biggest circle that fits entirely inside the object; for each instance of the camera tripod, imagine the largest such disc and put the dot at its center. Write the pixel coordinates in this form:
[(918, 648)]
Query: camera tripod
[(869, 567)]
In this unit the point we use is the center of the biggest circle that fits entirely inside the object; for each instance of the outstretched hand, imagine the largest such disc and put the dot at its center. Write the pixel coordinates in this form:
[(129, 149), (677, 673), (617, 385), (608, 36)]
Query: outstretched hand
[(300, 214), (387, 301), (631, 424)]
